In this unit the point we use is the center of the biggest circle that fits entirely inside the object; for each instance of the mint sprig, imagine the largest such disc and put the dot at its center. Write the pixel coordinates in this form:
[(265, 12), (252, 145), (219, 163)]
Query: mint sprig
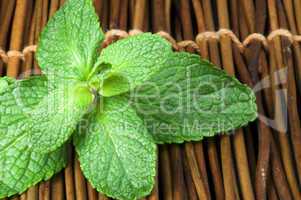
[(115, 104)]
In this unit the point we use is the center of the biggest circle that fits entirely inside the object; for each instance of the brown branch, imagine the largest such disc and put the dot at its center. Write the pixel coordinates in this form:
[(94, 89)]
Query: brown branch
[(165, 173), (80, 183)]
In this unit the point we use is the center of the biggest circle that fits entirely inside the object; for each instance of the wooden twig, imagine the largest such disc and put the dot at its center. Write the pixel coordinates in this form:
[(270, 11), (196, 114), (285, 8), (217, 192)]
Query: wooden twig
[(5, 21), (191, 190), (17, 36), (98, 5), (27, 65), (57, 187), (54, 5), (297, 6), (80, 183), (69, 176), (158, 18), (139, 14), (243, 28), (44, 190), (290, 15), (227, 170), (249, 13), (33, 193), (199, 15), (167, 16), (155, 193), (200, 158), (105, 14), (45, 9), (278, 175), (92, 193), (249, 133), (242, 166), (38, 28), (274, 25), (147, 16), (165, 171), (123, 18), (198, 180), (179, 188), (186, 20), (272, 193), (114, 14)]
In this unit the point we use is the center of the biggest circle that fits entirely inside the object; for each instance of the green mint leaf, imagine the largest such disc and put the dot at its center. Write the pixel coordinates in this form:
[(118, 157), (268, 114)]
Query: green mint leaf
[(29, 92), (134, 59), (21, 166), (57, 115), (49, 114), (68, 45), (190, 98), (117, 154), (4, 83), (114, 84)]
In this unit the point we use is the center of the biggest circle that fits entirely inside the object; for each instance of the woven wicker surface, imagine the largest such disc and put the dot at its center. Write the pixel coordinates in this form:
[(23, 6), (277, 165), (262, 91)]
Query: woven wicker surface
[(258, 162)]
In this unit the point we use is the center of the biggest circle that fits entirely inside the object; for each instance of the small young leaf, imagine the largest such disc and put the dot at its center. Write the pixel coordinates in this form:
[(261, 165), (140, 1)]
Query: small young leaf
[(190, 98), (68, 45), (21, 166), (117, 155), (135, 58), (114, 84)]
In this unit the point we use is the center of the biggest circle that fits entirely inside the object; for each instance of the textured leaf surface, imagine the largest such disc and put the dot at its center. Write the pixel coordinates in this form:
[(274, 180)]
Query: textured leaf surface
[(56, 116), (21, 166), (5, 82), (68, 46), (190, 98), (135, 59), (117, 154)]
